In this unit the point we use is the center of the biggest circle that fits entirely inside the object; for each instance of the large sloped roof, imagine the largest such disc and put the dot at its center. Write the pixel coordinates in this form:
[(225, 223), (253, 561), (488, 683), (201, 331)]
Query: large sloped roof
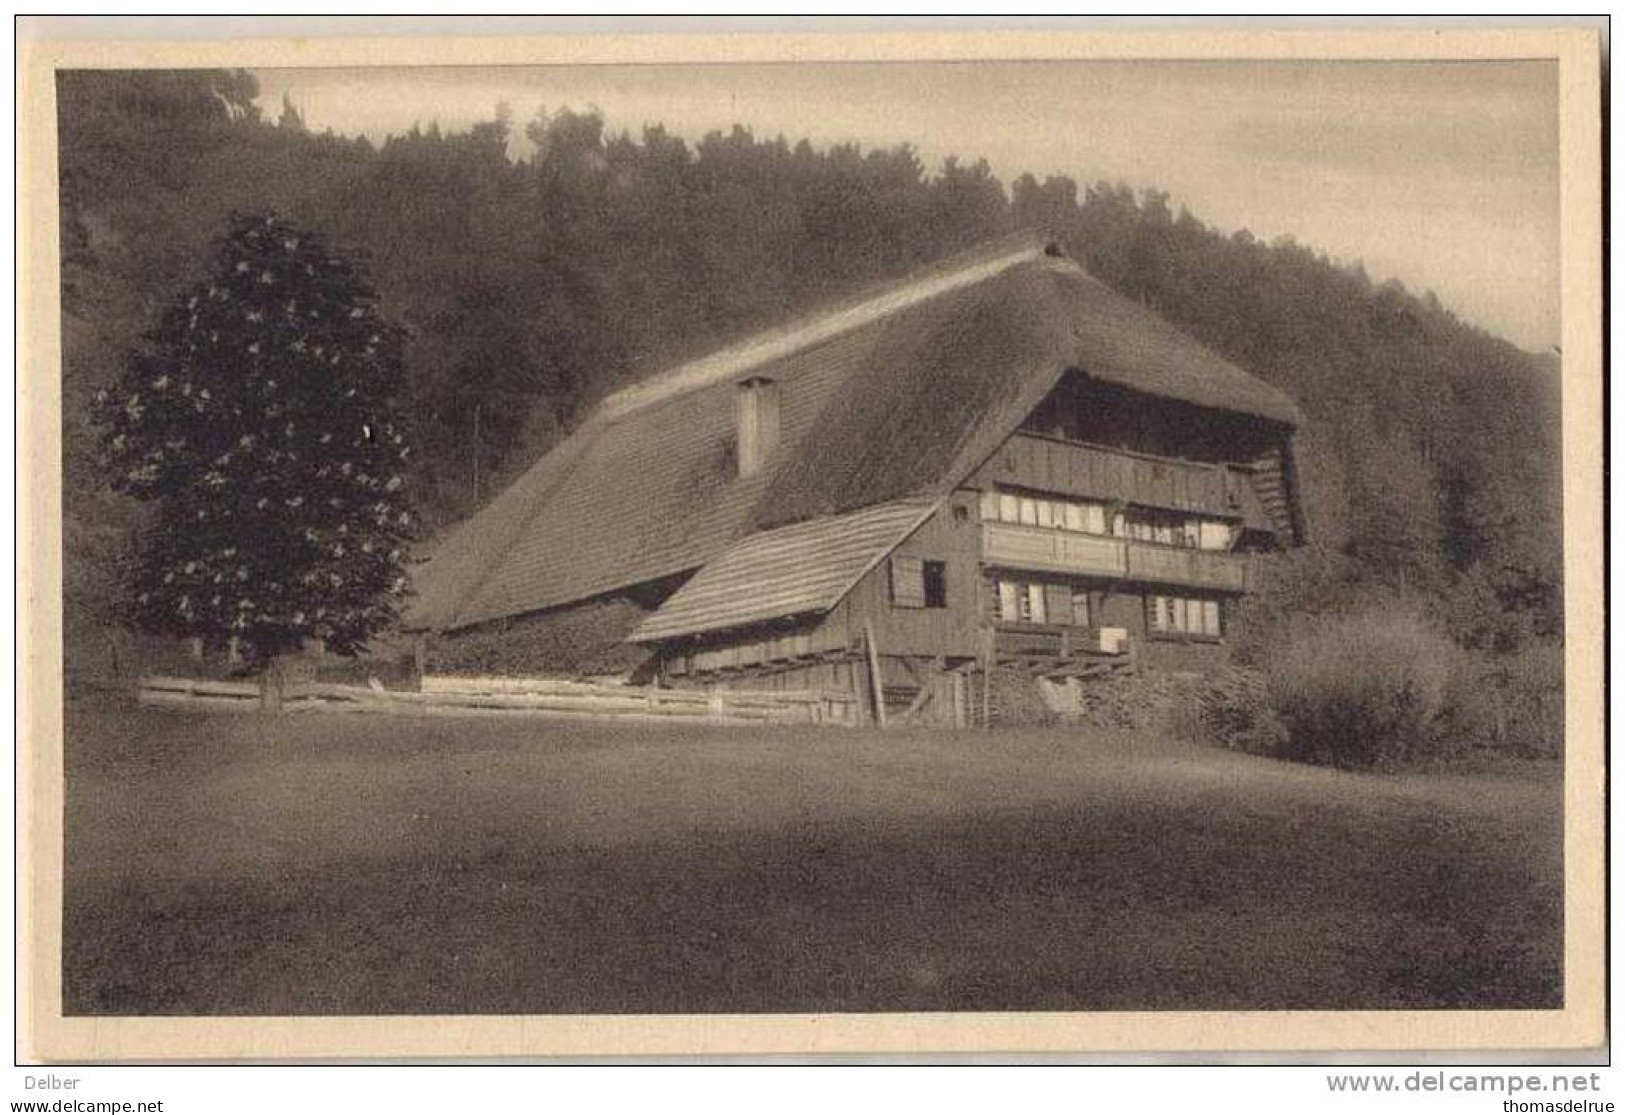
[(895, 394)]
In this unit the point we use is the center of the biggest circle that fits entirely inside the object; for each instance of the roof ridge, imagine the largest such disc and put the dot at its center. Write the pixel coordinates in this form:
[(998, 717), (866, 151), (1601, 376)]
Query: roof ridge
[(953, 272)]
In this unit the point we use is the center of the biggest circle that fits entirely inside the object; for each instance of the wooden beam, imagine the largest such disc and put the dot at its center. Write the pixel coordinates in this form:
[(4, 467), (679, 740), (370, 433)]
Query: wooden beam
[(908, 668), (920, 701), (987, 677), (875, 687)]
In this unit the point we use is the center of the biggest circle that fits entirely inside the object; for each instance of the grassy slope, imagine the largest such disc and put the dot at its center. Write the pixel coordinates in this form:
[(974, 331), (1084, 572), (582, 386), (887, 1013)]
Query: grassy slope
[(380, 865)]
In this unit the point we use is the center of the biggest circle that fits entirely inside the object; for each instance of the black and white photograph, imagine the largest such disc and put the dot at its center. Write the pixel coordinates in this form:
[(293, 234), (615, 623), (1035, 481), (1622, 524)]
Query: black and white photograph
[(983, 535)]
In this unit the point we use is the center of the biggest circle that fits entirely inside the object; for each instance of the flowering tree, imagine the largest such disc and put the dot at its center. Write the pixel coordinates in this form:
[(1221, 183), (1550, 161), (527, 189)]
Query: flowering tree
[(261, 420)]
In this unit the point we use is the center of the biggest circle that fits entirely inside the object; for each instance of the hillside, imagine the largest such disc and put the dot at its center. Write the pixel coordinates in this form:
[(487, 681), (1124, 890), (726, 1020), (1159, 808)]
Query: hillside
[(529, 289)]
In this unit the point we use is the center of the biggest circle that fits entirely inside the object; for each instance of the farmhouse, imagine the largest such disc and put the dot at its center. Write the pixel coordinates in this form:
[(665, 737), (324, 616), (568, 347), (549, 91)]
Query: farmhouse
[(994, 466)]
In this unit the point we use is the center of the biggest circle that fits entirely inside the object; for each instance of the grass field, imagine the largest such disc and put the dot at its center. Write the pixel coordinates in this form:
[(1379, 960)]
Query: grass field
[(375, 865)]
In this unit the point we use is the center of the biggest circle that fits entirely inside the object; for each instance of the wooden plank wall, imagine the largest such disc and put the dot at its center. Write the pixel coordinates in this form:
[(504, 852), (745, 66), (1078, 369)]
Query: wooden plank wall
[(951, 535)]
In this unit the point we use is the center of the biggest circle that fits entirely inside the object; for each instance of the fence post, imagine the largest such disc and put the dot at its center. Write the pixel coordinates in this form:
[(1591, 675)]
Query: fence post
[(271, 683), (420, 659)]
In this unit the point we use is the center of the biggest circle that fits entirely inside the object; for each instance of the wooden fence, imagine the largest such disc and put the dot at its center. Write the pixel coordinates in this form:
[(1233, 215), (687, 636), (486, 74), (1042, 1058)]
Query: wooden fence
[(539, 697)]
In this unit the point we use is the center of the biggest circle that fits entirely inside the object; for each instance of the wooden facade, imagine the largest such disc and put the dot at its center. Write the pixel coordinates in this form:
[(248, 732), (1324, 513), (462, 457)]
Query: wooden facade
[(1108, 599)]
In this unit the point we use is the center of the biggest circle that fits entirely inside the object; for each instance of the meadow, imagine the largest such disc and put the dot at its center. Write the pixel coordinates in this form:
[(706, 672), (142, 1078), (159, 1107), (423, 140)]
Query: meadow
[(325, 864)]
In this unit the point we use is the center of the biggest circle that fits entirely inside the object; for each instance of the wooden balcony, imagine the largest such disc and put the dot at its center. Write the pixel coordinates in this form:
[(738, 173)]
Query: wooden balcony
[(1169, 565), (1071, 468), (1047, 550), (1054, 551)]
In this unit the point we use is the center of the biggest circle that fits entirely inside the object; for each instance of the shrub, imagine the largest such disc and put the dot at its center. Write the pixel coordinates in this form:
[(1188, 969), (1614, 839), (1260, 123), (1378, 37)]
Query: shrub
[(1362, 689), (1145, 699), (1510, 704), (1530, 684), (1232, 709)]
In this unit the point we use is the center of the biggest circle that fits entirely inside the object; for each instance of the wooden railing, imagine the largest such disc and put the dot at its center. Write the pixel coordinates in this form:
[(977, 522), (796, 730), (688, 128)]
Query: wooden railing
[(1056, 551), (1079, 469), (1046, 549), (1170, 565)]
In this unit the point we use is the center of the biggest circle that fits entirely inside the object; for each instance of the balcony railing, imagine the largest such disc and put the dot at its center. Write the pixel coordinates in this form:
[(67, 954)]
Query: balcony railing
[(1045, 549), (1203, 568), (1057, 551), (1072, 468)]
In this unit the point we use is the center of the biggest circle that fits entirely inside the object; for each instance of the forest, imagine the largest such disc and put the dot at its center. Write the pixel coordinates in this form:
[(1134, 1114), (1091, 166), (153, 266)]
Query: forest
[(530, 286)]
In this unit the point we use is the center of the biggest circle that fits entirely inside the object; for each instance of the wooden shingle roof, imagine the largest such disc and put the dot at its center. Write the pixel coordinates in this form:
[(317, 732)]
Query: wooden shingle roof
[(801, 569), (893, 395)]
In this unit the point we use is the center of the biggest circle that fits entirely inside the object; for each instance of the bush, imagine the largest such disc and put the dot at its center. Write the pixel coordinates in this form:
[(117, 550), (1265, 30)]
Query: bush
[(1232, 709), (1510, 704), (1530, 685), (1363, 689)]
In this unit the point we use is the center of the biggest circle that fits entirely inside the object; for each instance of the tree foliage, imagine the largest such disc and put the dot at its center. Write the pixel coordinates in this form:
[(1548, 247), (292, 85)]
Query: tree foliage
[(259, 417)]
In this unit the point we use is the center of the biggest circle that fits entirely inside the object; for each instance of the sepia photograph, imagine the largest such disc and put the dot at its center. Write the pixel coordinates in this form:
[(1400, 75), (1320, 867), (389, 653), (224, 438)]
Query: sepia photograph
[(1009, 533)]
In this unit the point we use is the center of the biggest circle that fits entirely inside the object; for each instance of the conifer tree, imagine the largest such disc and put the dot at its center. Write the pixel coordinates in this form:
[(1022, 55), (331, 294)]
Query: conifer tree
[(261, 420)]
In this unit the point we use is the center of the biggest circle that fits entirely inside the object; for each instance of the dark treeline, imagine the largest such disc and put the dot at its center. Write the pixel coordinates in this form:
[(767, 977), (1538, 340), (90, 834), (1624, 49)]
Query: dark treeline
[(530, 286)]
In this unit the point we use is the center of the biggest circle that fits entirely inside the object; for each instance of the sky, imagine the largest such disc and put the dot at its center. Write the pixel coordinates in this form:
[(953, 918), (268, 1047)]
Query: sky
[(1443, 175)]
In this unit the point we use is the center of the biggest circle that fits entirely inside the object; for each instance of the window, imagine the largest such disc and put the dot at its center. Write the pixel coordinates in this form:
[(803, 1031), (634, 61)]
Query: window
[(936, 584), (1179, 615), (917, 583), (1170, 528), (1080, 607), (907, 582), (1035, 610), (1143, 524), (1007, 601), (1036, 511), (1053, 602)]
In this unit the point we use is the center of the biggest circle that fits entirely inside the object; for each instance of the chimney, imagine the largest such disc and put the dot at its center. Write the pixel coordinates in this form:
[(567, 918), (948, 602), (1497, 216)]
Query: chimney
[(758, 412)]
